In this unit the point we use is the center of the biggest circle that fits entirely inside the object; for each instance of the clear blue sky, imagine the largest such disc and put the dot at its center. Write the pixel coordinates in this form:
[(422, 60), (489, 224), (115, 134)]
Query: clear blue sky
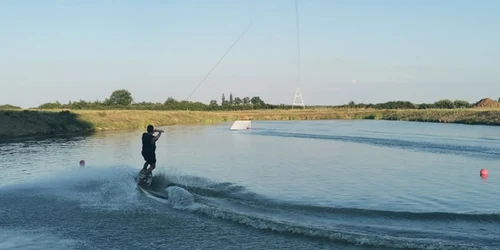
[(420, 51)]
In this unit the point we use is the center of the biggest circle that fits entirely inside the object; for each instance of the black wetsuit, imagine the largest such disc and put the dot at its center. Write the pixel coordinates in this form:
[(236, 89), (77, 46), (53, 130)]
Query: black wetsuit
[(148, 148)]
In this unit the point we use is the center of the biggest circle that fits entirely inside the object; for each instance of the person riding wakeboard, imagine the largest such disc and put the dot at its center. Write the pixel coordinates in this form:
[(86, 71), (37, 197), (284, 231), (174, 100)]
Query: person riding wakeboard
[(149, 150)]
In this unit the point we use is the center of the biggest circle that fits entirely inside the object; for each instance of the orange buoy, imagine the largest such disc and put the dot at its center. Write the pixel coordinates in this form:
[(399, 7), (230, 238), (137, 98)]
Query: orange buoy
[(82, 163), (483, 172)]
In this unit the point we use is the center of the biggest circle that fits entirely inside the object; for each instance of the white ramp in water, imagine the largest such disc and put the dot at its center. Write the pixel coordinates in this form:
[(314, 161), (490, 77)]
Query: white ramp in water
[(241, 125)]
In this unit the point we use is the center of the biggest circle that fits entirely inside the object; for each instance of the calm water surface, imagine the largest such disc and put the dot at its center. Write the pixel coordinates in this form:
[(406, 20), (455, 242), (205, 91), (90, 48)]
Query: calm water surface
[(282, 185)]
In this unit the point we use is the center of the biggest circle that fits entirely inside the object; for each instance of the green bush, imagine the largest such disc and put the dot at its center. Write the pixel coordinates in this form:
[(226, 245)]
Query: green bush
[(8, 107)]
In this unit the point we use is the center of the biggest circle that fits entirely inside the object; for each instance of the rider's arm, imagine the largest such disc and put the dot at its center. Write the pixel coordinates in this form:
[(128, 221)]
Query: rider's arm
[(156, 137)]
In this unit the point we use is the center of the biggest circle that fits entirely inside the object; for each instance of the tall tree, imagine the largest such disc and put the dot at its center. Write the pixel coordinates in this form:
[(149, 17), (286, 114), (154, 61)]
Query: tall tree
[(246, 100), (256, 101), (223, 99), (120, 97), (170, 101), (444, 104), (237, 101)]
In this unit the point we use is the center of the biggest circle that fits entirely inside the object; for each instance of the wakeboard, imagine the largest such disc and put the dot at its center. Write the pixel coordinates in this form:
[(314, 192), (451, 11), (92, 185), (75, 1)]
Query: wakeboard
[(143, 179), (144, 184)]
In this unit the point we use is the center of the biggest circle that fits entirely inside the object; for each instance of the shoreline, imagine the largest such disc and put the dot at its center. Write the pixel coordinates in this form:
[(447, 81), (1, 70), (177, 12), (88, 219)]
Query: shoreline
[(36, 123), (38, 137)]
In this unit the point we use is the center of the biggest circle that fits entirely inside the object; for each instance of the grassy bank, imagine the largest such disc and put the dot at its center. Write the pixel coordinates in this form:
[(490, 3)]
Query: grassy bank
[(15, 123), (109, 120), (24, 123), (128, 119)]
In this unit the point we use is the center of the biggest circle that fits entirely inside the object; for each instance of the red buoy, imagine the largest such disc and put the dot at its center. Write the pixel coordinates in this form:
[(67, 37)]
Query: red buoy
[(82, 163), (483, 172)]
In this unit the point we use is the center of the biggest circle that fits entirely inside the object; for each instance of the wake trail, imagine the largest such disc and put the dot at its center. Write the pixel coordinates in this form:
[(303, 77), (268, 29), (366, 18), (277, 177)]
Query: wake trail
[(113, 189), (372, 228), (431, 147)]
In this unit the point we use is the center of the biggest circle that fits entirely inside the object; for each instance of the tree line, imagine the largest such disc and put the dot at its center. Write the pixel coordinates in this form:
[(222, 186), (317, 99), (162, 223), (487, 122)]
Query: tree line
[(441, 104), (8, 107), (122, 99)]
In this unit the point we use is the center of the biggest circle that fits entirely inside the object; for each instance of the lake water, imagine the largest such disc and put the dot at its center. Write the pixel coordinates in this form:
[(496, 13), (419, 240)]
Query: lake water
[(282, 185)]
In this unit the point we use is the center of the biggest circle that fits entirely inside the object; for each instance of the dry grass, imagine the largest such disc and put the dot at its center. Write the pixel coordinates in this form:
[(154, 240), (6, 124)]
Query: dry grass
[(118, 119), (22, 123), (130, 119), (478, 116)]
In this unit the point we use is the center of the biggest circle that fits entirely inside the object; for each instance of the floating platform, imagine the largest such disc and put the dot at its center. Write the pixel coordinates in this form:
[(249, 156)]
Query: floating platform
[(241, 125)]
